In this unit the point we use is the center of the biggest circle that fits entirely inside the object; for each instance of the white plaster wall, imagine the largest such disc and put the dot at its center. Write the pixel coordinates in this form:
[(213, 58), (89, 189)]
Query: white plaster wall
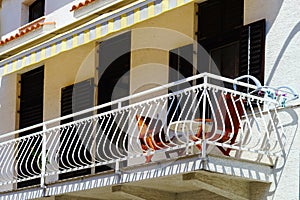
[(282, 68), (286, 173), (60, 15), (15, 14), (52, 5), (10, 15), (282, 40)]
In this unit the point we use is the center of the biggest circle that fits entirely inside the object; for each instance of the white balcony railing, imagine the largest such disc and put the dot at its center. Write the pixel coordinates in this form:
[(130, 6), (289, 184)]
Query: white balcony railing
[(191, 117)]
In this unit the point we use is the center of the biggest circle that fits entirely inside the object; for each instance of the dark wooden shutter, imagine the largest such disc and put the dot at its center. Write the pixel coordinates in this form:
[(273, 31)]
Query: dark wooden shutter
[(74, 98), (256, 33), (77, 97), (114, 64), (31, 113), (114, 83), (112, 49), (31, 97)]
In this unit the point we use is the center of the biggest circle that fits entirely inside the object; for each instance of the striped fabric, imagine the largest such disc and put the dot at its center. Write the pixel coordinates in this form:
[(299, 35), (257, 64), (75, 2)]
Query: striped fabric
[(123, 19)]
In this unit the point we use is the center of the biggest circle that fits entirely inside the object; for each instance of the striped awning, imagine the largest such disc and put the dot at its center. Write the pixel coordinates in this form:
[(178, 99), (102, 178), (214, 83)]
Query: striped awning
[(91, 32)]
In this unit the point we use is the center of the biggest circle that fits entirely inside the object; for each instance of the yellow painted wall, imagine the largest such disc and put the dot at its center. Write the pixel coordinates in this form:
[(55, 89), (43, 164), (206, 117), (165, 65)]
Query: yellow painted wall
[(63, 70), (151, 42)]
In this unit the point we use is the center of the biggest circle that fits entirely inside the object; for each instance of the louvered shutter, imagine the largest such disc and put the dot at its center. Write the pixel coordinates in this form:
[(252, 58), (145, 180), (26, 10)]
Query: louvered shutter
[(74, 98), (31, 113), (77, 97), (252, 49), (31, 98)]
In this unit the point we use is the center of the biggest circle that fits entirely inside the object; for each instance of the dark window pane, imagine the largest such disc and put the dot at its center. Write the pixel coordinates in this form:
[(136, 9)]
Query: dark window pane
[(210, 19), (36, 10), (217, 17), (221, 40), (232, 14), (226, 59)]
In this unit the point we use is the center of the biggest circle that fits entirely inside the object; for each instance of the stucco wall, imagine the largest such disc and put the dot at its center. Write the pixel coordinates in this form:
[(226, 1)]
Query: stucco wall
[(282, 68), (282, 40), (60, 15), (63, 70), (151, 42), (52, 5), (10, 15), (15, 13)]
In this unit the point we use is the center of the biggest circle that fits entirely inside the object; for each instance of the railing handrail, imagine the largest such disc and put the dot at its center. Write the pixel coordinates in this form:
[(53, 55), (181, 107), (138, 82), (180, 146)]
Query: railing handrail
[(133, 96), (190, 116)]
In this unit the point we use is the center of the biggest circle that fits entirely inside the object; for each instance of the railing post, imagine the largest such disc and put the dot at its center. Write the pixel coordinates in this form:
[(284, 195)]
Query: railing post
[(118, 172), (203, 150), (44, 159)]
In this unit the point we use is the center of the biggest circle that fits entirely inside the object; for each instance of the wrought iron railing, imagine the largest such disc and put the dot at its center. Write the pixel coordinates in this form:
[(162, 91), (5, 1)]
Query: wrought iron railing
[(181, 117)]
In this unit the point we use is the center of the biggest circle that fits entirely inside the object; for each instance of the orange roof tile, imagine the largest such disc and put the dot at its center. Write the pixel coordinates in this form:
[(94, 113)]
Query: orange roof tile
[(26, 29), (81, 4)]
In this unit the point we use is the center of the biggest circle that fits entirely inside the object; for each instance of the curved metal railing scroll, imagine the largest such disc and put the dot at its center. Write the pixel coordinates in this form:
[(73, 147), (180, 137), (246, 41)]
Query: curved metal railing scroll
[(195, 116)]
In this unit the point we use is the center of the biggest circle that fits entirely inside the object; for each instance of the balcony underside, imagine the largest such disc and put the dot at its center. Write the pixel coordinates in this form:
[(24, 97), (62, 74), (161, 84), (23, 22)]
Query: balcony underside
[(185, 178)]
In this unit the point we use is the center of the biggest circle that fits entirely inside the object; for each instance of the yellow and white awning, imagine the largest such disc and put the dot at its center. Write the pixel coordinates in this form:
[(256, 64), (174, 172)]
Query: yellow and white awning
[(100, 28)]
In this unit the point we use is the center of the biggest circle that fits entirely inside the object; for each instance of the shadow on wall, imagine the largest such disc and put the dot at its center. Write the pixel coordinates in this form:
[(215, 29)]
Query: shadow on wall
[(275, 5), (292, 34), (290, 124)]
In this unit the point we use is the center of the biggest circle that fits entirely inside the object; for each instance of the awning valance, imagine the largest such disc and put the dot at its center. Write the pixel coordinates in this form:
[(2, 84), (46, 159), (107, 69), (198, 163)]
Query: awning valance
[(105, 25)]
